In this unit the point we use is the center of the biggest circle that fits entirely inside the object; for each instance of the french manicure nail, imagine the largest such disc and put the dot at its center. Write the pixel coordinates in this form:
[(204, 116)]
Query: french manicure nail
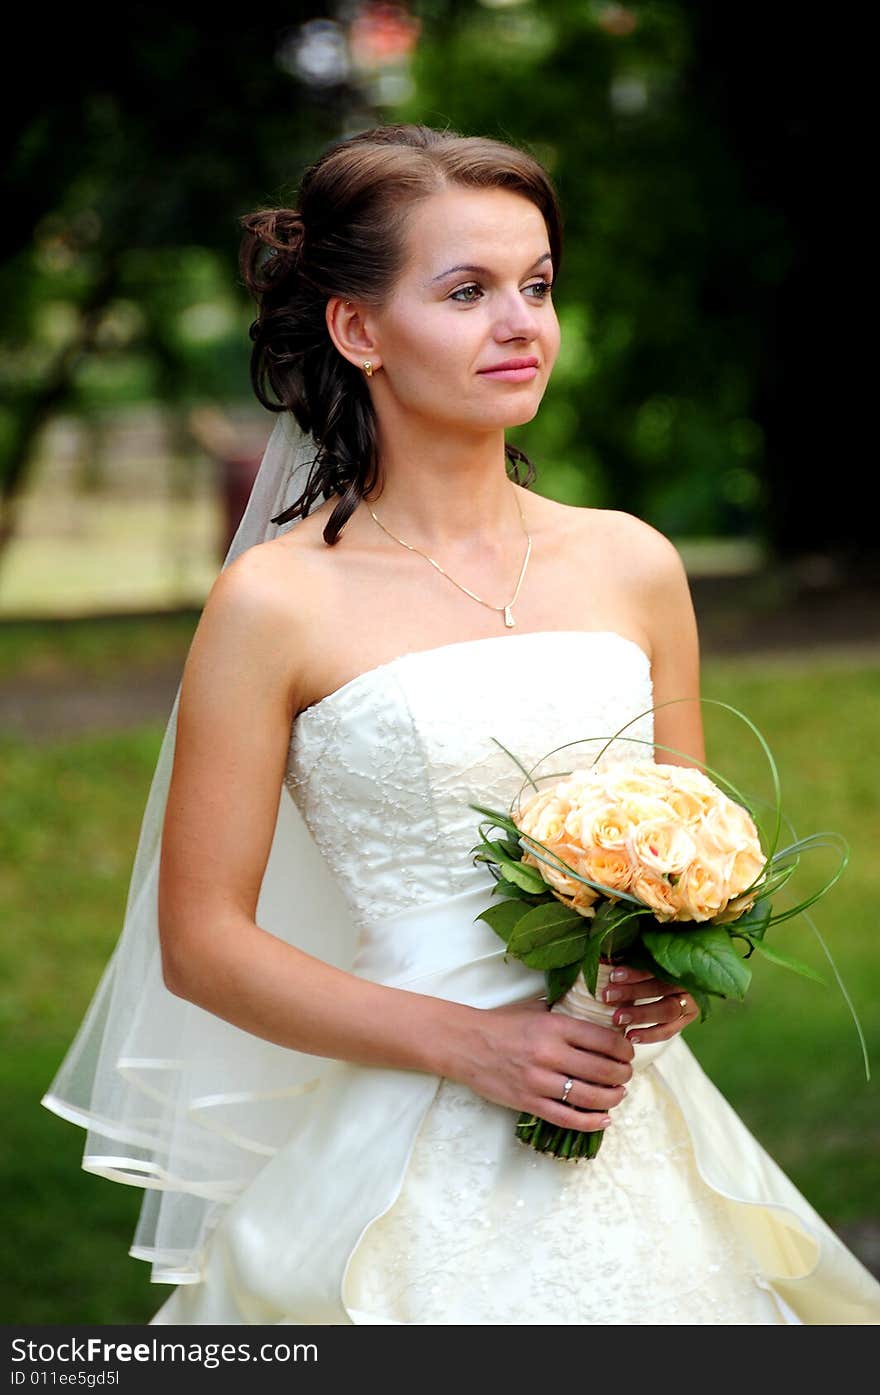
[(617, 975)]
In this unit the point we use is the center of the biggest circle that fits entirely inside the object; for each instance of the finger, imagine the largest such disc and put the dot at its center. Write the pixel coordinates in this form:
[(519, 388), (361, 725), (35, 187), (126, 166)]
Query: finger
[(601, 1070), (664, 1031), (555, 1112), (584, 1094), (665, 1010), (622, 973), (631, 991), (586, 1036)]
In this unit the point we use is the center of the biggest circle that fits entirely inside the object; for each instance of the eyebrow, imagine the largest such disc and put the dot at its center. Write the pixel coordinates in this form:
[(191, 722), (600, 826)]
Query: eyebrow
[(482, 270)]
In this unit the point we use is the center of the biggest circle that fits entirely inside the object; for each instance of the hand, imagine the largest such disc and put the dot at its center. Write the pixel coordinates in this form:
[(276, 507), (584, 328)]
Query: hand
[(523, 1055), (675, 1010)]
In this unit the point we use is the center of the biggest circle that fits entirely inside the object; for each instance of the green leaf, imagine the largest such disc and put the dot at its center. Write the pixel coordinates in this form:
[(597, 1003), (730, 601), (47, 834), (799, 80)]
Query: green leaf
[(590, 962), (499, 818), (541, 925), (560, 980), (531, 898), (752, 923), (522, 877), (529, 878), (552, 932), (557, 953), (703, 1002), (787, 961), (703, 959), (616, 925), (503, 917)]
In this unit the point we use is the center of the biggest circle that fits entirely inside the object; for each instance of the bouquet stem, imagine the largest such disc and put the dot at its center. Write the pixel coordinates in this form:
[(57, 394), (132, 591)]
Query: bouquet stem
[(573, 1144)]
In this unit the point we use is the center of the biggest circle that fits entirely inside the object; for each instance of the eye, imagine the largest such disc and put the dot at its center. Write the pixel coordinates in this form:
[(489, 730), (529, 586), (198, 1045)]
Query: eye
[(462, 296), (542, 287)]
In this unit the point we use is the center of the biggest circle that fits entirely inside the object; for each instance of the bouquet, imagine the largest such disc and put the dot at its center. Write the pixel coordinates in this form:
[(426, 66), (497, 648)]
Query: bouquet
[(645, 863)]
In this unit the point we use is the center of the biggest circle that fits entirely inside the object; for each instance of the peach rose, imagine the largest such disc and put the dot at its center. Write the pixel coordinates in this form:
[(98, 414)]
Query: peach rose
[(656, 893), (662, 846), (747, 867), (702, 892), (544, 817), (610, 867), (624, 780), (729, 827), (601, 825), (567, 888)]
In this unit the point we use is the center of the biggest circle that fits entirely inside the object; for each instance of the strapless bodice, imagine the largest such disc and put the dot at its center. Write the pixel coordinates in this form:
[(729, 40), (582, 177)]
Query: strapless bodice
[(384, 769)]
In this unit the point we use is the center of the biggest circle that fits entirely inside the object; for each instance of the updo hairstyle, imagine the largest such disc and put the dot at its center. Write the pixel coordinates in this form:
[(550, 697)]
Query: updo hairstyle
[(347, 238)]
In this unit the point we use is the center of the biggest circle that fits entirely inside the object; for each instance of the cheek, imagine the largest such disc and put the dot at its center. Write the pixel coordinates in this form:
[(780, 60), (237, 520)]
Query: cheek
[(552, 339)]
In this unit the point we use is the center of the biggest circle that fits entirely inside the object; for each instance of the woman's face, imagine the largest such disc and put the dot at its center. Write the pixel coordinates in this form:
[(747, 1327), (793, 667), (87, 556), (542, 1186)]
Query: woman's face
[(474, 295)]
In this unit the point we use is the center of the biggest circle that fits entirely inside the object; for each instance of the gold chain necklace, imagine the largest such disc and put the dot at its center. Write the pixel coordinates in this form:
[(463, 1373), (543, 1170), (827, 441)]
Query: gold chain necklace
[(508, 612)]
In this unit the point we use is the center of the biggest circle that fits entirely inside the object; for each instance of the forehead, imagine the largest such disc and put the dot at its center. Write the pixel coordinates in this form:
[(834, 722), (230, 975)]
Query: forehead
[(458, 225)]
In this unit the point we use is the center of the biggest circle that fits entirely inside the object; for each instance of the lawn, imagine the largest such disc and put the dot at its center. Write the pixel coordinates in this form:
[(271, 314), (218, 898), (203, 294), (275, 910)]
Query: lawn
[(788, 1059)]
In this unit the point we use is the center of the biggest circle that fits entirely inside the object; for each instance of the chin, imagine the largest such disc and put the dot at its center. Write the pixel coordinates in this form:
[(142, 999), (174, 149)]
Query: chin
[(527, 412)]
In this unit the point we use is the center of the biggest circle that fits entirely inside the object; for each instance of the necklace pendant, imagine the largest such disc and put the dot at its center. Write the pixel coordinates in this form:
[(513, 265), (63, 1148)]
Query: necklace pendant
[(508, 617)]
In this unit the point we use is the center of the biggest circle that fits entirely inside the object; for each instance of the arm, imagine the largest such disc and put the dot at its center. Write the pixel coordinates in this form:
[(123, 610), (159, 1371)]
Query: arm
[(675, 664), (664, 601), (238, 695)]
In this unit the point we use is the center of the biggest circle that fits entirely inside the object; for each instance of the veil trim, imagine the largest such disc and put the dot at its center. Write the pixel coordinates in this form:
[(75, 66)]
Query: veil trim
[(173, 1099)]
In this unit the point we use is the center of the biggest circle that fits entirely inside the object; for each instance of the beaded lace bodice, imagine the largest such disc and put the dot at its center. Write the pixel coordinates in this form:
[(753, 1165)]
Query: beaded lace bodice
[(384, 768)]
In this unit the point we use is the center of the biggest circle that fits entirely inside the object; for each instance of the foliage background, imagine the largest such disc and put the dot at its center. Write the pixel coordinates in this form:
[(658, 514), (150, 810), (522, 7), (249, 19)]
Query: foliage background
[(708, 160)]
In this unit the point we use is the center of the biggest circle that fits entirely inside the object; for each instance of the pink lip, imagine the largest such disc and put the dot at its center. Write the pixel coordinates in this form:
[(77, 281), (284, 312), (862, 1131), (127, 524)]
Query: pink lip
[(513, 370)]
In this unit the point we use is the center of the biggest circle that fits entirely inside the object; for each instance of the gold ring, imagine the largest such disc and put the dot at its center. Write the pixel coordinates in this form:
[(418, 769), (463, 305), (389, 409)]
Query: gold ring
[(682, 1004)]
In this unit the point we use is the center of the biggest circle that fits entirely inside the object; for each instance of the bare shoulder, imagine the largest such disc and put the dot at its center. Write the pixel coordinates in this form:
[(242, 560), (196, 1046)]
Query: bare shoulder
[(648, 552), (254, 615), (257, 587)]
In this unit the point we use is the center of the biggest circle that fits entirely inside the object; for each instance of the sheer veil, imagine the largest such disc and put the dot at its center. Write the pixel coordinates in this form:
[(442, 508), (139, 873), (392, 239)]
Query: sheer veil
[(174, 1099)]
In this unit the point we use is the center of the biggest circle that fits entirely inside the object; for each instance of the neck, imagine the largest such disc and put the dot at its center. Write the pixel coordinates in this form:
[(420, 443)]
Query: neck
[(446, 493)]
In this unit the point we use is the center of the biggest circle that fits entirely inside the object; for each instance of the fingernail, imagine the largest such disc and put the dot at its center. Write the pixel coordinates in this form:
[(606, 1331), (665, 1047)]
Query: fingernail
[(617, 975), (611, 995), (622, 1018), (633, 1036)]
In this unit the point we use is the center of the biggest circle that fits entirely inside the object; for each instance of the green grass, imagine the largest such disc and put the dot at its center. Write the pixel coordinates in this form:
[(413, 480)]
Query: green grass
[(45, 650), (788, 1059)]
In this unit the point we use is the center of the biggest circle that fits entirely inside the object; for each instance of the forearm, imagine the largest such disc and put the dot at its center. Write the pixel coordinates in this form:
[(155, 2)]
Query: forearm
[(276, 991)]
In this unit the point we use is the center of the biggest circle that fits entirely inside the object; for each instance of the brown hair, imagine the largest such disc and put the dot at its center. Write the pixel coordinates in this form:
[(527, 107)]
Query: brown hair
[(346, 238)]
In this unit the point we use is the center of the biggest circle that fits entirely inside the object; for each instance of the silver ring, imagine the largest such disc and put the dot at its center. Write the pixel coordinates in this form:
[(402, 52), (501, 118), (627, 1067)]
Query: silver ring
[(566, 1090)]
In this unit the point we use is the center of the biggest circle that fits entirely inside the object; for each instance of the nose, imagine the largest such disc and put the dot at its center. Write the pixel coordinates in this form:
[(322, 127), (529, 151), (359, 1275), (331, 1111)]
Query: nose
[(515, 318)]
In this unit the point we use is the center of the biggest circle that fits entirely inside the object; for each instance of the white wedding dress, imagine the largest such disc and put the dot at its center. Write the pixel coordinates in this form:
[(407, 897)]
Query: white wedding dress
[(406, 1199)]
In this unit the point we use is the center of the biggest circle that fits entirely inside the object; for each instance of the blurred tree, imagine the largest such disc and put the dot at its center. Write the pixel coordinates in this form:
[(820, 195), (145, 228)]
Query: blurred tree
[(683, 138), (152, 133), (680, 135)]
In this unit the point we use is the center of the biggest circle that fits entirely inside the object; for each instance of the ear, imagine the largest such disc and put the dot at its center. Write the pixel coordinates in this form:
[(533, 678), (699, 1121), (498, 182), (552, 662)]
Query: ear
[(350, 331)]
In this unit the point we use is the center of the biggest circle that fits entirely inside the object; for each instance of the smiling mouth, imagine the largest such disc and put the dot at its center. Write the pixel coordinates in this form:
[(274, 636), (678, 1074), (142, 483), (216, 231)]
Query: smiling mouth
[(522, 372), (511, 365)]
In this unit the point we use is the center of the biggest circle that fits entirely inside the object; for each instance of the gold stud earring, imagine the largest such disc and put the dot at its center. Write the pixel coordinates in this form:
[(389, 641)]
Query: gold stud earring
[(368, 367)]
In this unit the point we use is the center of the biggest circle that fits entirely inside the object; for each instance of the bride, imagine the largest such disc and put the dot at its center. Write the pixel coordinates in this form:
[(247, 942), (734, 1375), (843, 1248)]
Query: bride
[(306, 1048)]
